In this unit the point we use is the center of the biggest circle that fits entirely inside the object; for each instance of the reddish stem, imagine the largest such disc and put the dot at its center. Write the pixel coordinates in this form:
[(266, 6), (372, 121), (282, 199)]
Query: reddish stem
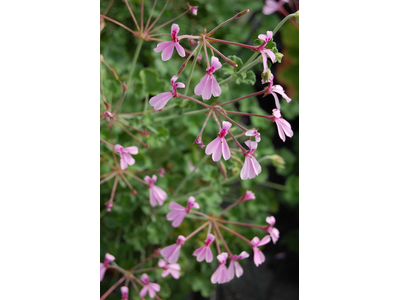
[(222, 238), (238, 99), (197, 230), (133, 16), (118, 23), (254, 48), (237, 234)]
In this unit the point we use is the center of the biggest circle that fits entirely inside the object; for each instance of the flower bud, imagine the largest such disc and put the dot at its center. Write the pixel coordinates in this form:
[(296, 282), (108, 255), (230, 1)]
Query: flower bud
[(124, 292), (278, 161)]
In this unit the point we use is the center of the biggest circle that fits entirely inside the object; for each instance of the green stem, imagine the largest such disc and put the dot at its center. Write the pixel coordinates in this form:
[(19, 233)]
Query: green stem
[(189, 113), (283, 22), (135, 57), (192, 69)]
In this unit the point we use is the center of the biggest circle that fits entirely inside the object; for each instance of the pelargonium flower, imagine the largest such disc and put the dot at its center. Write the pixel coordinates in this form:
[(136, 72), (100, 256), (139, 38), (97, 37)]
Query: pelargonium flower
[(161, 172), (273, 89), (159, 101), (272, 6), (221, 275), (219, 144), (265, 51), (249, 195), (151, 288), (171, 253), (209, 85), (172, 269), (168, 47), (274, 232), (205, 251), (251, 168), (259, 257), (125, 154), (284, 127), (193, 9), (255, 133), (124, 292), (103, 267), (199, 142), (179, 212), (235, 267), (156, 193)]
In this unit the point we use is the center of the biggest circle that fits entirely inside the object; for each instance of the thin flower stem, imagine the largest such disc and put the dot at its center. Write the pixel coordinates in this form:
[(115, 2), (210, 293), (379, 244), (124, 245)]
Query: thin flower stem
[(192, 69), (134, 285), (237, 159), (234, 150), (107, 143), (146, 270), (106, 174), (166, 23), (113, 150), (197, 230), (199, 213), (236, 141), (227, 60), (159, 34), (238, 15), (216, 120), (230, 206), (134, 60), (205, 51), (222, 238), (238, 99), (143, 261), (112, 288), (283, 22), (237, 124), (216, 241), (155, 21), (137, 178), (134, 137), (151, 13), (244, 224), (251, 59), (237, 234), (129, 126), (189, 113), (232, 43), (126, 180), (108, 7), (183, 66), (249, 114), (133, 16), (120, 100), (114, 266), (114, 188), (252, 64), (237, 136), (188, 176), (141, 17), (119, 24), (205, 122), (136, 113), (108, 178), (195, 100), (138, 281)]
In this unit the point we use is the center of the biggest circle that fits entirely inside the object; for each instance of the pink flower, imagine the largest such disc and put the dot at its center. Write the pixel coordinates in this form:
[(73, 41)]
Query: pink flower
[(259, 257), (159, 101), (219, 144), (251, 168), (109, 205), (272, 6), (149, 287), (235, 267), (254, 133), (209, 85), (124, 292), (156, 194), (274, 232), (277, 89), (193, 9), (249, 195), (103, 267), (171, 253), (205, 251), (199, 142), (283, 125), (168, 47), (179, 212), (172, 269), (161, 172), (221, 275), (125, 153), (265, 51)]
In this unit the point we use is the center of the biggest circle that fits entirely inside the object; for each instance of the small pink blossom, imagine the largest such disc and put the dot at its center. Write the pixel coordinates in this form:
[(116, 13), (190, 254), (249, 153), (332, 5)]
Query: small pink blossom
[(157, 195), (192, 168), (284, 127), (254, 133), (103, 266), (171, 253), (235, 267), (193, 9), (265, 51), (251, 168), (205, 251), (273, 89), (219, 144), (221, 275), (209, 85), (274, 232), (161, 172), (249, 195), (124, 292), (179, 212), (125, 154), (159, 101), (172, 269), (199, 142), (109, 205), (151, 288), (259, 257), (272, 6), (168, 47)]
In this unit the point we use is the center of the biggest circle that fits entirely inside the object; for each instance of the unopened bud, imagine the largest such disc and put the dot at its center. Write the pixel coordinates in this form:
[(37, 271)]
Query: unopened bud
[(232, 63), (102, 24), (278, 161), (278, 56), (124, 292), (249, 195), (109, 204), (106, 105), (182, 68), (134, 192), (101, 58), (242, 13), (124, 86), (223, 169)]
